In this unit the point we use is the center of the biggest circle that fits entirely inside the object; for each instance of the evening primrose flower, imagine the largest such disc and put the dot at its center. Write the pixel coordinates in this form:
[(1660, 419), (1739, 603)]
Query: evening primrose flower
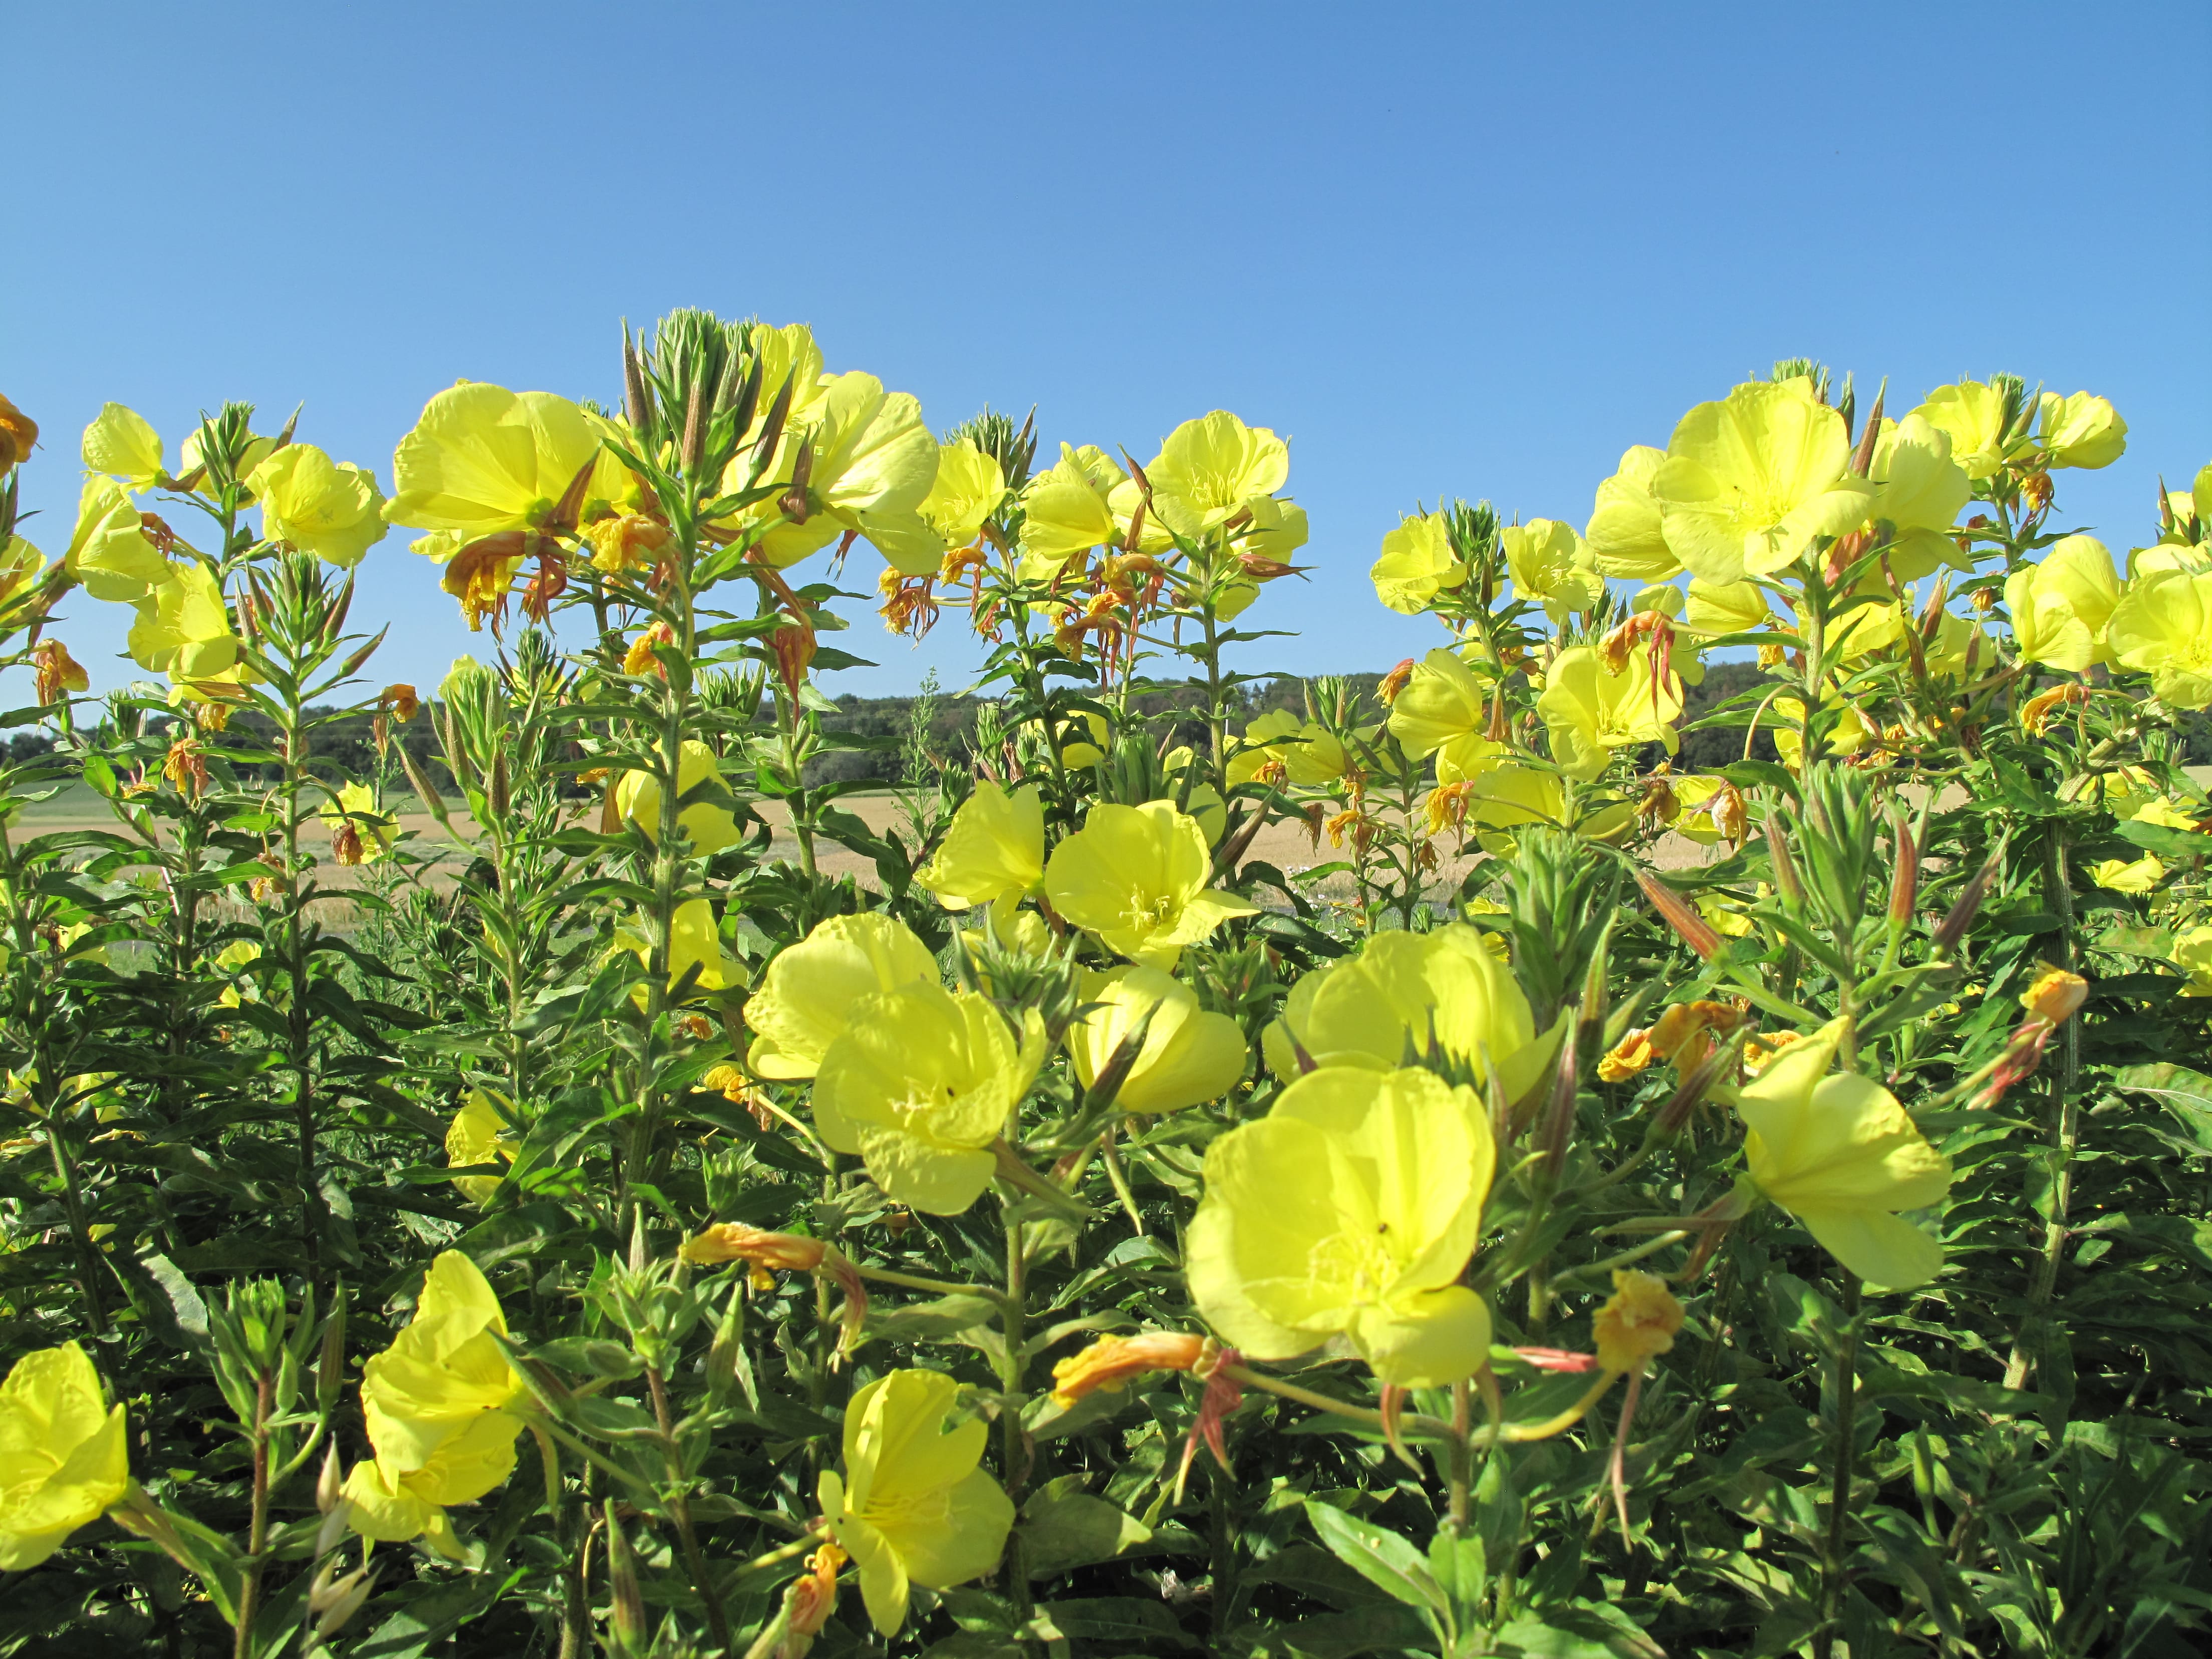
[(2081, 430), (1067, 510), (708, 822), (2062, 606), (62, 1453), (1636, 1324), (1112, 1363), (1307, 751), (807, 997), (914, 1505), (1972, 413), (2141, 875), (183, 626), (994, 849), (1752, 482), (1187, 1055), (360, 831), (970, 487), (435, 1401), (1721, 608), (329, 508), (1417, 563), (1444, 708), (1922, 490), (694, 941), (920, 1083), (2192, 952), (1625, 534), (109, 552), (1590, 711), (1346, 1216), (1211, 469), (121, 443), (1442, 995), (482, 460), (1550, 562), (1838, 1152), (19, 435), (873, 461), (1135, 876), (2163, 627), (476, 1135)]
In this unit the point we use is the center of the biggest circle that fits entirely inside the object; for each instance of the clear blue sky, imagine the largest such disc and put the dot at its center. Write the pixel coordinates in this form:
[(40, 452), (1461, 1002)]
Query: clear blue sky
[(1447, 249)]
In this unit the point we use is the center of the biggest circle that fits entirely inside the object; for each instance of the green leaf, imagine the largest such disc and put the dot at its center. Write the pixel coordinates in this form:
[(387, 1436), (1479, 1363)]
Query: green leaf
[(2187, 1094), (929, 1321), (1383, 1559), (1064, 1530), (1111, 1618), (2166, 842)]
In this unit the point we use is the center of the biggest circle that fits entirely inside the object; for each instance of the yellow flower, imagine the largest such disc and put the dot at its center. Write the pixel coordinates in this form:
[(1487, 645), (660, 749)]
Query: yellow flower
[(1348, 1213), (330, 509), (1443, 994), (1628, 1058), (1444, 708), (481, 460), (2081, 430), (1726, 608), (1135, 876), (183, 626), (120, 443), (808, 995), (873, 463), (1590, 711), (913, 1506), (1637, 1323), (1922, 490), (1550, 562), (2062, 607), (1852, 732), (1187, 1055), (360, 830), (2192, 950), (2143, 876), (1972, 413), (1417, 562), (2055, 996), (1112, 1363), (694, 941), (1211, 469), (62, 1453), (1625, 534), (2163, 626), (994, 849), (435, 1401), (109, 551), (1067, 510), (19, 435), (1751, 482), (477, 1134), (969, 487), (708, 822), (21, 564), (920, 1083), (1837, 1151), (1308, 753)]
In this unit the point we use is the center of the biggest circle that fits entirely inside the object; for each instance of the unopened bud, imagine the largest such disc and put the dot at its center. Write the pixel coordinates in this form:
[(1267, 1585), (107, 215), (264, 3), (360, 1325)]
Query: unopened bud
[(337, 1600), (626, 1623), (2054, 995), (1785, 868), (329, 1484), (1692, 928), (1961, 917), (1905, 883)]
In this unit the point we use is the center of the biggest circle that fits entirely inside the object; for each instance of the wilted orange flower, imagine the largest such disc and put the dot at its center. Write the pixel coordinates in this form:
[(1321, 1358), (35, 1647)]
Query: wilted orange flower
[(1111, 1362), (813, 1598), (617, 543), (733, 1241), (1627, 1057), (401, 700), (1730, 815), (909, 606), (1760, 1049), (185, 767), (480, 575), (2039, 710), (2054, 995), (1447, 807), (18, 431), (1684, 1033), (57, 671), (640, 658), (1639, 1321), (1394, 682)]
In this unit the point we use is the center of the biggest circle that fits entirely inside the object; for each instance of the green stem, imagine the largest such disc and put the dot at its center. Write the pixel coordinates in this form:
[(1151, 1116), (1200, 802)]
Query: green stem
[(1834, 1552), (2066, 1138), (258, 1535)]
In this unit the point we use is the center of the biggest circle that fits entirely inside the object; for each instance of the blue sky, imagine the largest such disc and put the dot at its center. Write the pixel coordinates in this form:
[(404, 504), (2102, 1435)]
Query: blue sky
[(1447, 250)]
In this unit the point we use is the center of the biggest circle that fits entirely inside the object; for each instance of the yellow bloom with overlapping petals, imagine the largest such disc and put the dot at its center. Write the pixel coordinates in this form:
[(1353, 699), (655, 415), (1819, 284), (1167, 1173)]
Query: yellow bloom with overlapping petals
[(1308, 753), (123, 444), (2062, 606), (482, 460), (1067, 510), (1590, 711), (1719, 608), (1972, 413), (2192, 952), (1838, 1152), (1851, 731), (1444, 708), (1136, 877), (21, 564), (914, 1505), (183, 627), (970, 487), (64, 1458), (437, 1404), (1346, 1217), (920, 1083), (329, 508), (1213, 468), (109, 551), (2162, 627), (1923, 492), (806, 998), (1416, 563), (1187, 1055), (1444, 996), (1752, 482), (2082, 430), (1549, 563), (708, 822), (1625, 534), (694, 942), (873, 461), (2141, 875), (478, 1136), (994, 849)]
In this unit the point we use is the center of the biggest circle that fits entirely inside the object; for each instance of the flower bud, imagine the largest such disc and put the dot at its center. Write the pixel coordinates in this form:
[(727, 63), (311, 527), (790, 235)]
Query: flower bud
[(1111, 1362), (2054, 995), (732, 1241), (1692, 928), (1961, 916)]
